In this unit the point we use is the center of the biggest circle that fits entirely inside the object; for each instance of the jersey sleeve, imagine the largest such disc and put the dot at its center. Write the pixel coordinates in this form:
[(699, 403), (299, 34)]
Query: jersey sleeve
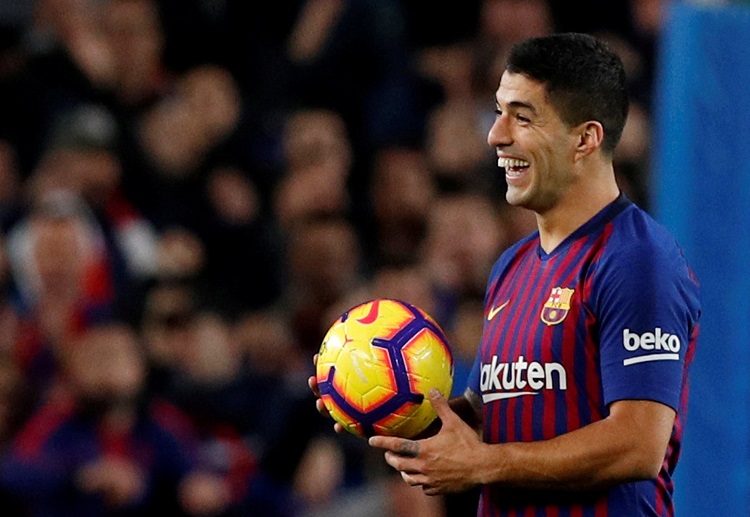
[(646, 301)]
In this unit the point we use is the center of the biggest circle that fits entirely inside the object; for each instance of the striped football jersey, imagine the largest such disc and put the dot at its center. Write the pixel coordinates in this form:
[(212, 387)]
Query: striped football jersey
[(610, 314)]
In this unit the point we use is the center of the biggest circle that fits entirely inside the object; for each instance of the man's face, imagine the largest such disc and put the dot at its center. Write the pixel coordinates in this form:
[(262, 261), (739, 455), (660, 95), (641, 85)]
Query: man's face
[(105, 366), (59, 255), (534, 146)]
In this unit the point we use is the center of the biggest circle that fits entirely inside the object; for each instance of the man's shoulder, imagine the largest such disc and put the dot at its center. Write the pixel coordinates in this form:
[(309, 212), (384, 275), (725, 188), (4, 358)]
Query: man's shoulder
[(636, 230), (641, 249)]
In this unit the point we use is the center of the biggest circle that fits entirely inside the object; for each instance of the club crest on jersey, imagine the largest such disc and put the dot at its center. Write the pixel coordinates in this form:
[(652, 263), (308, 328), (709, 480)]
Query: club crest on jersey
[(556, 307)]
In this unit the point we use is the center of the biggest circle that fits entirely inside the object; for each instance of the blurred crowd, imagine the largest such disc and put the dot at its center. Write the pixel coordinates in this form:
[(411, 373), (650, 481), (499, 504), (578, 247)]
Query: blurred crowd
[(191, 191)]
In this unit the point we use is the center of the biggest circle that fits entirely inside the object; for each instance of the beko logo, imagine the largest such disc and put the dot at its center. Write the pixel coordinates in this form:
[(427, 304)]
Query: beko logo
[(507, 380), (660, 345)]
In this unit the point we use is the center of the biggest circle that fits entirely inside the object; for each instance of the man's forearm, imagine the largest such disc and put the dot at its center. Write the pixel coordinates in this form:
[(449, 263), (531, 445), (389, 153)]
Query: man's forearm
[(629, 446)]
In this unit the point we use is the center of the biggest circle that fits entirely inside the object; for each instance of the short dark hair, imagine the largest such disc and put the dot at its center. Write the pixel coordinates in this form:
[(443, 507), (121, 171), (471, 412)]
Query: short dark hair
[(585, 80)]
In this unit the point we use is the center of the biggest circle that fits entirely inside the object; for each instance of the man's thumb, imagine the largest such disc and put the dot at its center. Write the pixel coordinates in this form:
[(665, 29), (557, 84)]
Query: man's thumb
[(440, 404)]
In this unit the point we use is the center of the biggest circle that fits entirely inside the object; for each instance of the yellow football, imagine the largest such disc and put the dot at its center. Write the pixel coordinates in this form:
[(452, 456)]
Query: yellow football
[(376, 365)]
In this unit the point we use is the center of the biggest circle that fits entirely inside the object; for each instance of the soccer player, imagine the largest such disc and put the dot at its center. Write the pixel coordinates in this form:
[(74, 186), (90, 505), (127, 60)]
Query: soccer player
[(579, 386)]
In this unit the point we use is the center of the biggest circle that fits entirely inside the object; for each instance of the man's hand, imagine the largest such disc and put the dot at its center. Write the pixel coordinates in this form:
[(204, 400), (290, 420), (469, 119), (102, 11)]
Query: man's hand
[(312, 382), (446, 462)]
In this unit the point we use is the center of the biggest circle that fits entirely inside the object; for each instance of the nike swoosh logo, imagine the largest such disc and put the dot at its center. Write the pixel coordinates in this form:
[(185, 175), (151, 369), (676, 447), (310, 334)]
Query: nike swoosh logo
[(501, 396), (495, 310)]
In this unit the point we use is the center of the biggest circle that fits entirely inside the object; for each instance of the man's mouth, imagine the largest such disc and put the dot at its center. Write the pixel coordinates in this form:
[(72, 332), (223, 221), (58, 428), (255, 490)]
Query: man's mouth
[(513, 166)]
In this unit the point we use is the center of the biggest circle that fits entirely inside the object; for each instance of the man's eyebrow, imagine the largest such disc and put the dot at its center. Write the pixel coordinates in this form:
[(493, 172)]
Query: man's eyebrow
[(518, 105)]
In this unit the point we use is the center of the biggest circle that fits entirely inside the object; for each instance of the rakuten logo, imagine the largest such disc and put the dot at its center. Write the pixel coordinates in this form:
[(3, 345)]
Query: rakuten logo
[(507, 380), (650, 342)]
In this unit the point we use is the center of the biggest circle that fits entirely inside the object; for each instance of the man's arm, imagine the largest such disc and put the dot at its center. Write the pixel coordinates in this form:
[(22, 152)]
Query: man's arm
[(628, 445)]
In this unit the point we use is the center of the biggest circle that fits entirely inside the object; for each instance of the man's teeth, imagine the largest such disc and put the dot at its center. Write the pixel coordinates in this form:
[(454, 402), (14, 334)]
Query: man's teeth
[(511, 163)]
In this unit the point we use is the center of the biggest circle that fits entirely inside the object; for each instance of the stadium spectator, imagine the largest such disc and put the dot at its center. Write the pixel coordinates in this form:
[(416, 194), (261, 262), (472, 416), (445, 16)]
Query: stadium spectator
[(62, 281), (318, 158), (136, 39), (401, 192), (94, 449), (465, 233), (324, 266)]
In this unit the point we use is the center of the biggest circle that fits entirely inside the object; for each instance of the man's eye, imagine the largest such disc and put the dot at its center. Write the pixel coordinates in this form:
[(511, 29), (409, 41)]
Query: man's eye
[(523, 119)]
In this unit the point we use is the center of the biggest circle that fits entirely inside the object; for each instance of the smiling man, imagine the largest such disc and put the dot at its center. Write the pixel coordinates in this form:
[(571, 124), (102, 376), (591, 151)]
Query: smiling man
[(579, 386)]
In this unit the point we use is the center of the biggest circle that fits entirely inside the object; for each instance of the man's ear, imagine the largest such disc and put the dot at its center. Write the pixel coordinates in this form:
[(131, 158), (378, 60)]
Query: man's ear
[(590, 138)]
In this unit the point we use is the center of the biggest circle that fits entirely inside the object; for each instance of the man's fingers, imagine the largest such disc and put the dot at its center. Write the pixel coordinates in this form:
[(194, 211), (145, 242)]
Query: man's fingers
[(413, 479), (408, 448), (381, 442), (399, 453), (400, 446), (312, 382), (401, 463), (321, 407)]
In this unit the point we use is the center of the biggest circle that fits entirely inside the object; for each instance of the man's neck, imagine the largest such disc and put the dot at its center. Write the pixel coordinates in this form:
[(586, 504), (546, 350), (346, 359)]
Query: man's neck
[(574, 209)]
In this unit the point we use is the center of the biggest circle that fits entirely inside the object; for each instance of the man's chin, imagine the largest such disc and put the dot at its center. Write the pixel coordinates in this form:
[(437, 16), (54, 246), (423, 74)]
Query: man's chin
[(515, 197)]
